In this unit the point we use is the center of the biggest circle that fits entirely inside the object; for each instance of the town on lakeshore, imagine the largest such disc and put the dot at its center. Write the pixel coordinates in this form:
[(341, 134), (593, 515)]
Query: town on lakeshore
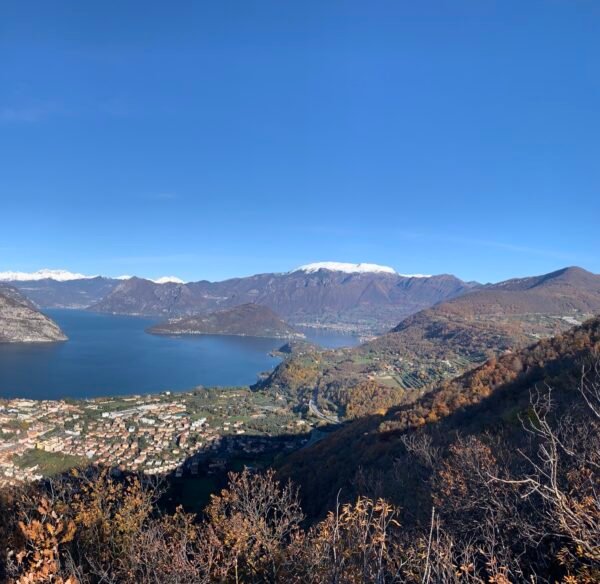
[(193, 433)]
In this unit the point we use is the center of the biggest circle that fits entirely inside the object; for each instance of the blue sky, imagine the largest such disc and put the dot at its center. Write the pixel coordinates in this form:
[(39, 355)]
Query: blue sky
[(211, 139)]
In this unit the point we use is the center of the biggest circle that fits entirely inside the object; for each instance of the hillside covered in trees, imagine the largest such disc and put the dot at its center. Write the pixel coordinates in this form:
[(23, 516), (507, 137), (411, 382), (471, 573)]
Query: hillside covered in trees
[(491, 400), (439, 343)]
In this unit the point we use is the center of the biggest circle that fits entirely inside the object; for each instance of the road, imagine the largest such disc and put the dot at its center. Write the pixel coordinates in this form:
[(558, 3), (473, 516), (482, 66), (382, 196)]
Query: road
[(315, 411)]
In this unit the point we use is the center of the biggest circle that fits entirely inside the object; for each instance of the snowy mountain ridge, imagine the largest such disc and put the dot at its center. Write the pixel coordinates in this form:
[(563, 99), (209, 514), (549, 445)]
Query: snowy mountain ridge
[(44, 274), (169, 279), (350, 268), (66, 276)]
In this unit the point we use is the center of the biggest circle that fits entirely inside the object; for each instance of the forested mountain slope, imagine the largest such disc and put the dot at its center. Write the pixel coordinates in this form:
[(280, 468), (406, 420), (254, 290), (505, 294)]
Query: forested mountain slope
[(440, 342), (488, 402)]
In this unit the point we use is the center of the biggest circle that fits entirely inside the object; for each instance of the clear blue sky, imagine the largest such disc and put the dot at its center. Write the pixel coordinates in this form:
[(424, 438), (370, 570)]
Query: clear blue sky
[(210, 139)]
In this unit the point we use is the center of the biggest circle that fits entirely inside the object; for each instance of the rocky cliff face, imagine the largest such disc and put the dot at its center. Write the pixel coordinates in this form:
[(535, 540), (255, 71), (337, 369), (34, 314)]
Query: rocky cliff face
[(21, 322)]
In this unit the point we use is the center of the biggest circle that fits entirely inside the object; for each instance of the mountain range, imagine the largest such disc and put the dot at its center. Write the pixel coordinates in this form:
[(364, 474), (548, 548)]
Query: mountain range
[(439, 315), (64, 289), (353, 297), (368, 300), (70, 293)]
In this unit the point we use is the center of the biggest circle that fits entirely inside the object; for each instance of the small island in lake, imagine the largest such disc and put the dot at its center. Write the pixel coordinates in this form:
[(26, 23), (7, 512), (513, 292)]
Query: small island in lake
[(248, 320)]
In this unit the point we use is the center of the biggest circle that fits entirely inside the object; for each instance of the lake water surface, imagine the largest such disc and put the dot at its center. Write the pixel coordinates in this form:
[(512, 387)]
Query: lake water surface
[(112, 355)]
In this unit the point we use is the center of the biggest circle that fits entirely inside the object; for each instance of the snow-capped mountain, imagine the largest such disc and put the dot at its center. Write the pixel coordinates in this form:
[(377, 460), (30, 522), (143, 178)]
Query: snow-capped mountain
[(64, 289), (66, 276), (162, 280), (345, 267), (44, 274), (350, 268), (168, 279)]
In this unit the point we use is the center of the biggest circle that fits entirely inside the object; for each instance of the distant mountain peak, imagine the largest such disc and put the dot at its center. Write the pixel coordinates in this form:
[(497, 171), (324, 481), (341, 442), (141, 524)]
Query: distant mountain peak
[(44, 274), (571, 272), (570, 275), (168, 279), (345, 267)]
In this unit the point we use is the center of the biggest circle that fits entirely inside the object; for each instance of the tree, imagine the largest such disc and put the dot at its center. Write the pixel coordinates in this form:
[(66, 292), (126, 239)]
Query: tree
[(251, 522)]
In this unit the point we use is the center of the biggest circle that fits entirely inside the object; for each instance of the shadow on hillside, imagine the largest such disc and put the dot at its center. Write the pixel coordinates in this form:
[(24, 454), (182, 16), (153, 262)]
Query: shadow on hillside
[(206, 472), (369, 456)]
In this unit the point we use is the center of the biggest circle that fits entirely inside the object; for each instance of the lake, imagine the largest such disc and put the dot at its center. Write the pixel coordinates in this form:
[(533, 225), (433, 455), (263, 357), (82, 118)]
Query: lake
[(112, 355)]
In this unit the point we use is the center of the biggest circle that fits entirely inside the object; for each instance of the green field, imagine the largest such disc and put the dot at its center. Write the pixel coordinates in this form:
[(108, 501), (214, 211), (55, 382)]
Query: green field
[(49, 463)]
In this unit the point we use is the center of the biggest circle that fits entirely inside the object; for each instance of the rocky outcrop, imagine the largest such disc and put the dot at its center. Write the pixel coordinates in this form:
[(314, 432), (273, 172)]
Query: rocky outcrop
[(21, 322)]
